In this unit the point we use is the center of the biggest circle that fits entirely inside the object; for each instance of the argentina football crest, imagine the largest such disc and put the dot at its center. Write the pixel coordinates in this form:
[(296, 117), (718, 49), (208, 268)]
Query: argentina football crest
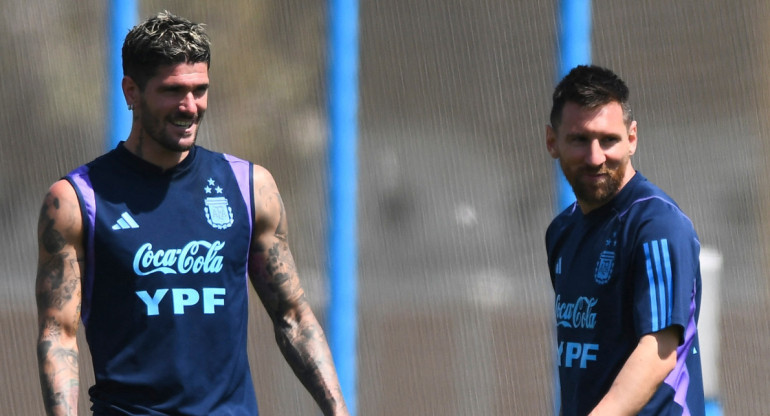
[(218, 212), (606, 262), (604, 267)]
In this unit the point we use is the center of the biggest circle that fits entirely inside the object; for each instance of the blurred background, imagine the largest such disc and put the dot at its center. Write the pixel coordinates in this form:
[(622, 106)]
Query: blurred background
[(456, 188)]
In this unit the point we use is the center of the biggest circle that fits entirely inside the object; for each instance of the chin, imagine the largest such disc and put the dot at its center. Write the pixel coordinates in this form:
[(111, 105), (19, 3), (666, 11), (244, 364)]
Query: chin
[(187, 141), (181, 145)]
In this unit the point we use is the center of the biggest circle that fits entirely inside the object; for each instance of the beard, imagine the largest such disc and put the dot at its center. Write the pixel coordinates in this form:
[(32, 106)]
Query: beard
[(156, 129), (599, 193)]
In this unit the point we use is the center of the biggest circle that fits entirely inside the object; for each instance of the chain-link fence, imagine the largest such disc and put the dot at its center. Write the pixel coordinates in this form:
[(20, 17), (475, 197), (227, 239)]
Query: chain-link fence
[(456, 185)]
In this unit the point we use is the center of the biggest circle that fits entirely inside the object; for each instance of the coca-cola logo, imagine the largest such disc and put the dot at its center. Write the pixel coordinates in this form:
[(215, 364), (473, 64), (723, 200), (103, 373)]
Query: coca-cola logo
[(195, 257), (576, 315)]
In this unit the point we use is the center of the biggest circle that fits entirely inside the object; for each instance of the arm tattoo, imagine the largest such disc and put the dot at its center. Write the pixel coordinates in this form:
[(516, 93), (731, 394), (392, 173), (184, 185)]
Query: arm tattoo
[(53, 290), (58, 276), (57, 291), (284, 289), (298, 333), (58, 368), (306, 351), (50, 239), (269, 196), (46, 382), (281, 231)]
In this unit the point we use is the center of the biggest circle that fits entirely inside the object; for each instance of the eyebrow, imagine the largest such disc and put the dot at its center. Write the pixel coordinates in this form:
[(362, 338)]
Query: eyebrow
[(591, 135), (177, 86)]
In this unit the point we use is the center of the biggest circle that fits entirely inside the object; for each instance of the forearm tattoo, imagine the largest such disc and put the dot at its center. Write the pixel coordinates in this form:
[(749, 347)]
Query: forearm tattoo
[(60, 364), (59, 369), (297, 331)]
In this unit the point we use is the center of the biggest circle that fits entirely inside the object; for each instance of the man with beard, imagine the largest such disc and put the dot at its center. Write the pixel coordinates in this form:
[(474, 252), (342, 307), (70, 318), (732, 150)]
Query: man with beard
[(623, 262), (151, 246)]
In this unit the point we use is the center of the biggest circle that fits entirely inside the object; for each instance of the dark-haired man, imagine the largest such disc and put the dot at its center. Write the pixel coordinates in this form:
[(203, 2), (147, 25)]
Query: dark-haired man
[(151, 246), (624, 265)]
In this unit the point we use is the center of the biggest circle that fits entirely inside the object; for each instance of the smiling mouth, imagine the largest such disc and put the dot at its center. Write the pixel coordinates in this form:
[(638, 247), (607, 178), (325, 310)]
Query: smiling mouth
[(186, 124), (595, 176)]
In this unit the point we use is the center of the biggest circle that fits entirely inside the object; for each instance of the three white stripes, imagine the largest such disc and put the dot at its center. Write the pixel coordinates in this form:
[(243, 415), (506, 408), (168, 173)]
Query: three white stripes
[(124, 222)]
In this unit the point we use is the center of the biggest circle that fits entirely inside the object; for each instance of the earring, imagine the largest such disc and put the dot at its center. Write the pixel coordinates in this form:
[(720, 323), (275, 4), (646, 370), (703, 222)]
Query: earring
[(130, 107)]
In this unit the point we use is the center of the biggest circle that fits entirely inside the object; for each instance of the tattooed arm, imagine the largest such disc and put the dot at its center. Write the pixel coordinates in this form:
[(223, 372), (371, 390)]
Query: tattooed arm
[(274, 276), (57, 290)]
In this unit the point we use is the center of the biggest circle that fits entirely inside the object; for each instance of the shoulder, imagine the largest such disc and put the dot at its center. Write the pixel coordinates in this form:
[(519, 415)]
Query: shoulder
[(562, 221), (259, 174), (263, 180), (62, 190), (267, 198), (654, 214), (656, 208), (61, 211)]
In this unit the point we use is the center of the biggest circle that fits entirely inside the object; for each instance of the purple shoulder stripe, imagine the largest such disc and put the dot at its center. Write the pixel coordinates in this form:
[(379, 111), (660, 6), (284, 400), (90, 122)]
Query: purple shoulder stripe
[(243, 174), (679, 378), (85, 191), (242, 170)]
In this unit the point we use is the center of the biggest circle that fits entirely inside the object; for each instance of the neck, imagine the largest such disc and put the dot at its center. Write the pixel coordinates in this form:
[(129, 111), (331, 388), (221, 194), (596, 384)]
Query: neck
[(150, 151)]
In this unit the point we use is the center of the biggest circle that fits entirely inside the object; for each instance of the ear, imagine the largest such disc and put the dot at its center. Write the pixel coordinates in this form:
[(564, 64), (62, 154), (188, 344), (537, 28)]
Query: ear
[(550, 142), (632, 138), (131, 91)]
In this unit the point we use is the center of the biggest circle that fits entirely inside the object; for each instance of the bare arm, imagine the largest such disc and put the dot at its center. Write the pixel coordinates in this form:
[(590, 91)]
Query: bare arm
[(649, 364), (274, 276), (57, 290)]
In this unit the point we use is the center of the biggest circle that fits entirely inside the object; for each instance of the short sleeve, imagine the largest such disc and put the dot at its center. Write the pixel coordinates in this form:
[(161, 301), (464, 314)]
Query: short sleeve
[(665, 267)]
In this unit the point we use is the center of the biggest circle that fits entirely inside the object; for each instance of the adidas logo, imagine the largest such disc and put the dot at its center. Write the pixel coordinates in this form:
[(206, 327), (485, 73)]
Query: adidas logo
[(125, 222)]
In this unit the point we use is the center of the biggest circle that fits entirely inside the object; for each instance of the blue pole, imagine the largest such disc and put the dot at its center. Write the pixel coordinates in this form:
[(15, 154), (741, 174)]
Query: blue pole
[(342, 182), (575, 41), (123, 15)]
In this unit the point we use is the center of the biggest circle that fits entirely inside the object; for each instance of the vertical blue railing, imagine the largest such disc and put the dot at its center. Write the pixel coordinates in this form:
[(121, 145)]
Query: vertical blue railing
[(575, 49), (343, 182), (123, 15)]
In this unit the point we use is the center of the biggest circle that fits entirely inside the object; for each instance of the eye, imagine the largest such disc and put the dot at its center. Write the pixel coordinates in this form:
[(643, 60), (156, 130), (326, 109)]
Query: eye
[(578, 139), (200, 91), (171, 90)]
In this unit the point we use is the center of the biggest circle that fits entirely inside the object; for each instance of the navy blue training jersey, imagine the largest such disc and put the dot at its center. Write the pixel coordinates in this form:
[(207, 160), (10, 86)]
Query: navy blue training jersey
[(165, 290), (626, 269)]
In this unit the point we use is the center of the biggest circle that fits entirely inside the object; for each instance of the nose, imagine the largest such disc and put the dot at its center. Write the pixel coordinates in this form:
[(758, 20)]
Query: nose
[(595, 155), (188, 105)]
